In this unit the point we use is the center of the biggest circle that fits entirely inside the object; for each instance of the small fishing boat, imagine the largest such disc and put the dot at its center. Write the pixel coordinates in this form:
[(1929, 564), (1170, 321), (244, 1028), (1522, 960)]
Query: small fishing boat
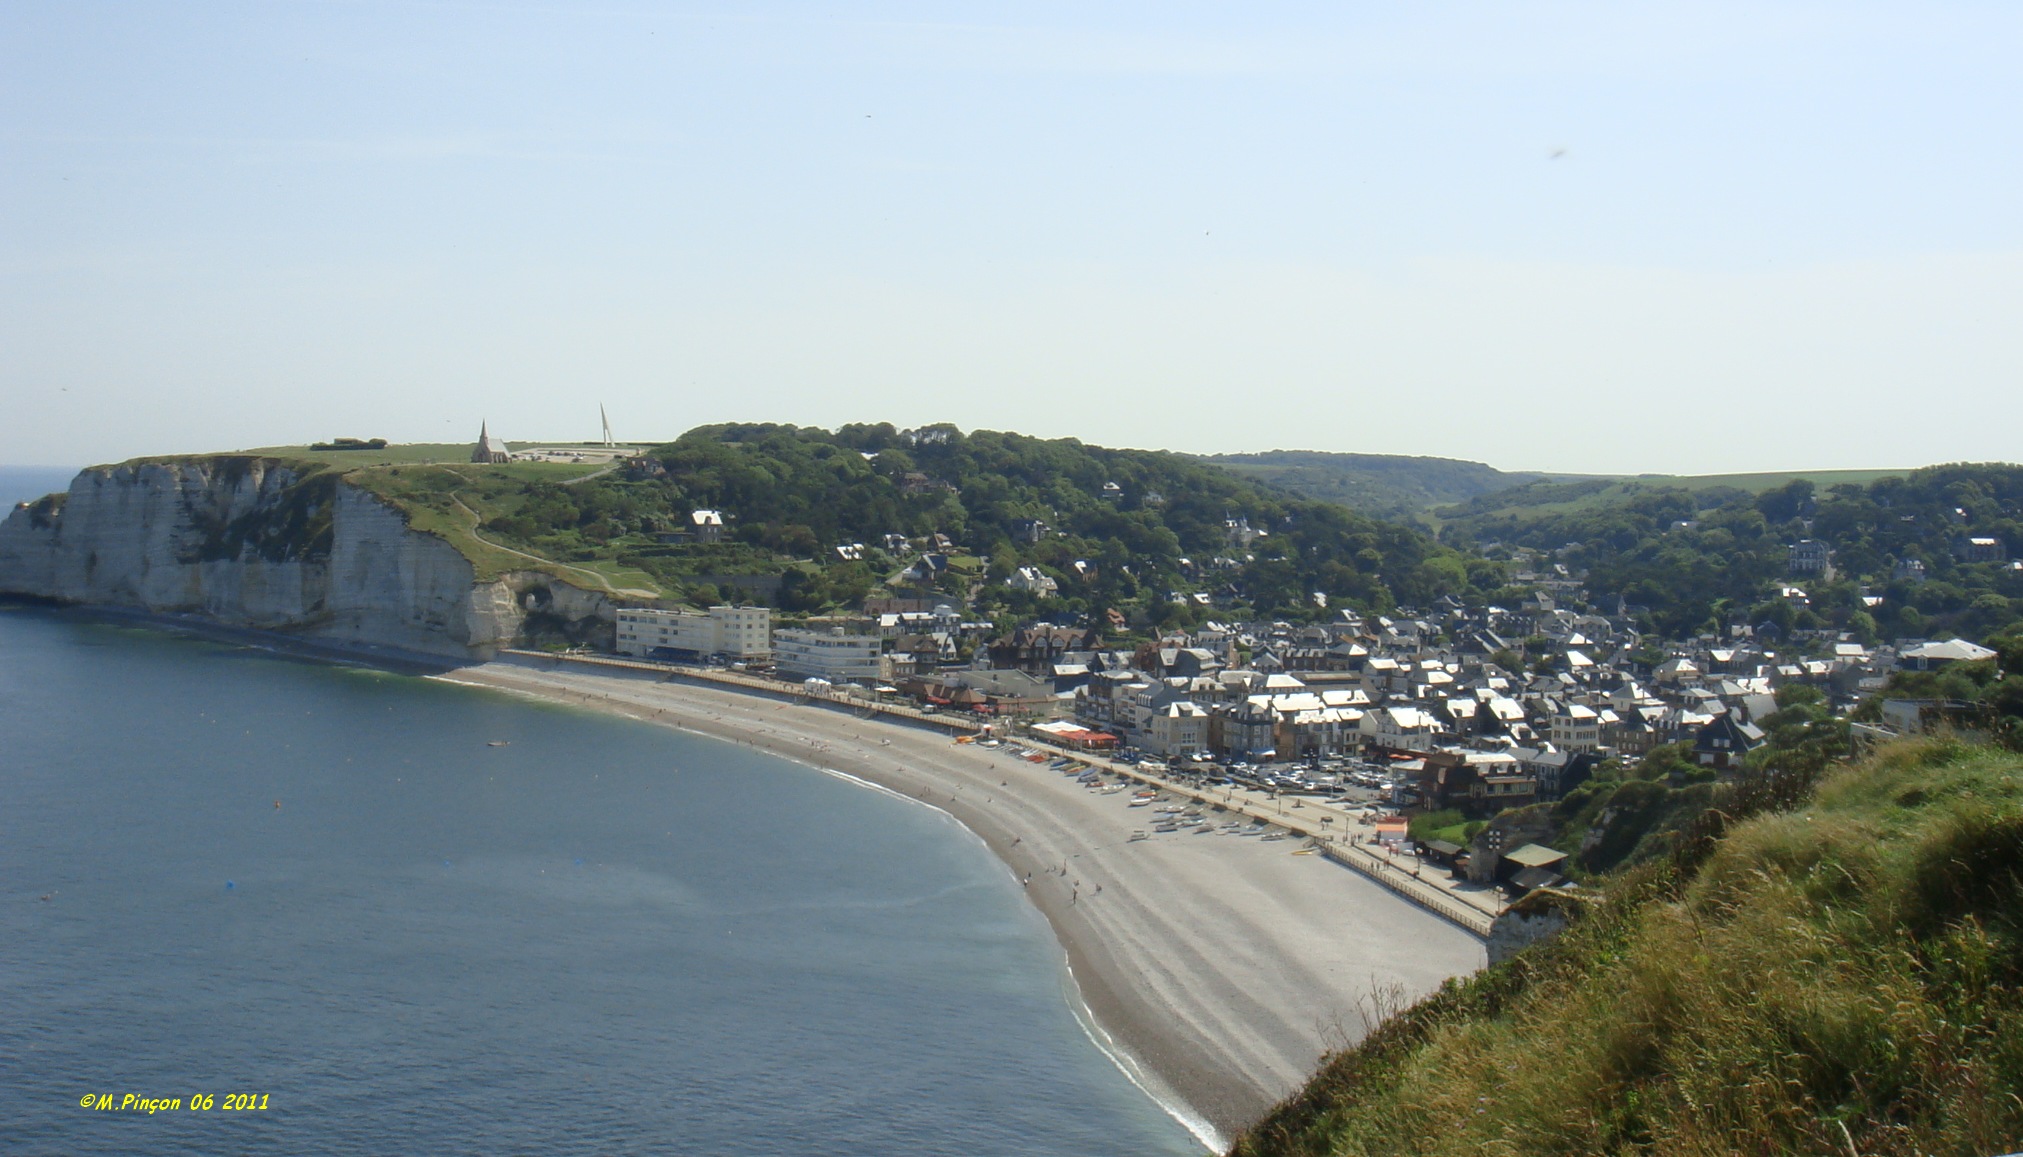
[(498, 742)]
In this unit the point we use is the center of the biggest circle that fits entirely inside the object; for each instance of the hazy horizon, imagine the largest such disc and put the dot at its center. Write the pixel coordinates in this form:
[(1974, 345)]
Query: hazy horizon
[(1577, 238)]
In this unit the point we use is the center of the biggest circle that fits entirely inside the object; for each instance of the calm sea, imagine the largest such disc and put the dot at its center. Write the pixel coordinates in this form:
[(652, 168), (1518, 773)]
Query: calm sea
[(27, 483), (225, 872)]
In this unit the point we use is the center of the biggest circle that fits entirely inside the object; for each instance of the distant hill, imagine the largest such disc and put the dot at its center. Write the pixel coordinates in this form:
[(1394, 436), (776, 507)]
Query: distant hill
[(1386, 485), (1539, 496), (1912, 554), (1419, 489)]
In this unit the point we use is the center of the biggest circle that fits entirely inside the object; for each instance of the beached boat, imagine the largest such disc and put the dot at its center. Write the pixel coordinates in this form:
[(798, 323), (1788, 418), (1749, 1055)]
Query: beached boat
[(1140, 834)]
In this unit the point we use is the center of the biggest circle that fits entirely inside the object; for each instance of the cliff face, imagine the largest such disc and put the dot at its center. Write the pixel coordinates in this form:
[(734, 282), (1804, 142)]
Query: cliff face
[(256, 542)]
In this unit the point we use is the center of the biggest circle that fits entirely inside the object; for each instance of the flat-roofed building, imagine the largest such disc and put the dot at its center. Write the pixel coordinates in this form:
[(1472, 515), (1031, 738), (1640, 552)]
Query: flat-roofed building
[(737, 632), (799, 653)]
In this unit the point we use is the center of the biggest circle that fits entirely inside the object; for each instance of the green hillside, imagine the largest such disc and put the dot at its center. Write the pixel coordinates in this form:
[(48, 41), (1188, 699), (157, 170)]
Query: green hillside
[(1842, 974), (1142, 524)]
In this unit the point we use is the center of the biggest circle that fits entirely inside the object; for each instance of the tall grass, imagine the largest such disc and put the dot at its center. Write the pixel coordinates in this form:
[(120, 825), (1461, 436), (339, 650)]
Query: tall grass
[(1839, 977)]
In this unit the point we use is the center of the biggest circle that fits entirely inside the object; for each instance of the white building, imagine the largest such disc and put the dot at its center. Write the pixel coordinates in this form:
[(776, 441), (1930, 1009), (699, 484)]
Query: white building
[(1032, 578), (804, 654), (740, 632), (1399, 728), (708, 525)]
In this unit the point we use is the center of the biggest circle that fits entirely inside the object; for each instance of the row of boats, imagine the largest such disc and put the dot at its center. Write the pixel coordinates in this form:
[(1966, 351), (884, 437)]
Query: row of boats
[(1171, 816)]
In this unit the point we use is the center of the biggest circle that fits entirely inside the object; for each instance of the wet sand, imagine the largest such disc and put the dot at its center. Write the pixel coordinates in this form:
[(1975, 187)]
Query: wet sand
[(1220, 968)]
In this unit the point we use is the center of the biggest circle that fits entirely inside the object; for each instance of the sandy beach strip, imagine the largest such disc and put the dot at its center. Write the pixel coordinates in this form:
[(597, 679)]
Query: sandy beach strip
[(1223, 967)]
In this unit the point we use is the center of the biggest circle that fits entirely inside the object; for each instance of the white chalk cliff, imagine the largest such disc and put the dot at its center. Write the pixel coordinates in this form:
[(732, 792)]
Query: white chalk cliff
[(254, 542)]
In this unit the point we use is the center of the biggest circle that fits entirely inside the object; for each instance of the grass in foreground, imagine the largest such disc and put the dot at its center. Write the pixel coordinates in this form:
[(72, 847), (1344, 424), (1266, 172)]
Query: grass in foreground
[(1840, 978)]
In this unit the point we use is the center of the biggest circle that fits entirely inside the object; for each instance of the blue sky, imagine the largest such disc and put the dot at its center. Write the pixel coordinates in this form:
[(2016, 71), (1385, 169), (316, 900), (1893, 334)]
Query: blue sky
[(1602, 237)]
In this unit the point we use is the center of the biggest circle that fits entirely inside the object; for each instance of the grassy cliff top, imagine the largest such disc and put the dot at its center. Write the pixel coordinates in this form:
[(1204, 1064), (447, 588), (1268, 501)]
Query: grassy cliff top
[(454, 501), (1843, 977), (441, 492)]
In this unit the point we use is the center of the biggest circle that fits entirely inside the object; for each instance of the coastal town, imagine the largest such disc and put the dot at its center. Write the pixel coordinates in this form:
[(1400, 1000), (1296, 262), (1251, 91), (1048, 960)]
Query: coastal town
[(1471, 712)]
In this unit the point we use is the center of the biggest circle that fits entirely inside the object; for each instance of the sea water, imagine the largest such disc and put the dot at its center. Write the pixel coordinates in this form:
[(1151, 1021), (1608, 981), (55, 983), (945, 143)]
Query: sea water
[(410, 917)]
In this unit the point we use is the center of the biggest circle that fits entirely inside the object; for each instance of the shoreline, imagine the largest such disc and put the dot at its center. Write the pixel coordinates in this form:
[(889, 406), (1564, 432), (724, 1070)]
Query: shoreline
[(1215, 970), (1074, 992)]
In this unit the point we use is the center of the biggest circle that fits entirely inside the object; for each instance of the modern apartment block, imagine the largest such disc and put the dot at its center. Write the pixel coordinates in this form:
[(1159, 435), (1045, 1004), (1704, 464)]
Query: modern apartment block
[(736, 632), (831, 654)]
